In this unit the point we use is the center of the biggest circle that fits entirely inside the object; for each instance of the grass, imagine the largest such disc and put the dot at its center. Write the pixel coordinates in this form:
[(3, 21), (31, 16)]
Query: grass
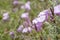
[(36, 7)]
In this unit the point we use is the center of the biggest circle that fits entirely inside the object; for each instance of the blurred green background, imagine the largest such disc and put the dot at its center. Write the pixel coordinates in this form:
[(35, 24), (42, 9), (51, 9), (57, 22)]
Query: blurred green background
[(47, 33)]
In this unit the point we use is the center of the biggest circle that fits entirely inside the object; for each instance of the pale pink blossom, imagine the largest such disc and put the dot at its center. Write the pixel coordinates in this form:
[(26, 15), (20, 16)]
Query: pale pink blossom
[(43, 13), (25, 30), (38, 26), (12, 35), (27, 5), (25, 15), (38, 22), (29, 29), (57, 10), (20, 28), (47, 13), (15, 2), (39, 19), (5, 16)]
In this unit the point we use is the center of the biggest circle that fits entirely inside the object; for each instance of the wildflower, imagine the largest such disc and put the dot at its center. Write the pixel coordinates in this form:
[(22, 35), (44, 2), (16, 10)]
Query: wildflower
[(28, 21), (5, 16), (20, 28), (57, 9), (25, 15), (45, 12), (15, 2), (27, 5), (39, 19), (38, 26), (25, 30), (29, 29), (38, 23), (12, 34), (33, 26)]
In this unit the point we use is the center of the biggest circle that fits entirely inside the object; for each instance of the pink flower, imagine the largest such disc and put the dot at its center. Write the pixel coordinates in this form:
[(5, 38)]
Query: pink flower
[(15, 2), (25, 30), (43, 13), (25, 15), (20, 28), (57, 9), (28, 21), (47, 13), (38, 26), (29, 29), (12, 34), (27, 5), (38, 22), (5, 16), (34, 21), (39, 19)]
